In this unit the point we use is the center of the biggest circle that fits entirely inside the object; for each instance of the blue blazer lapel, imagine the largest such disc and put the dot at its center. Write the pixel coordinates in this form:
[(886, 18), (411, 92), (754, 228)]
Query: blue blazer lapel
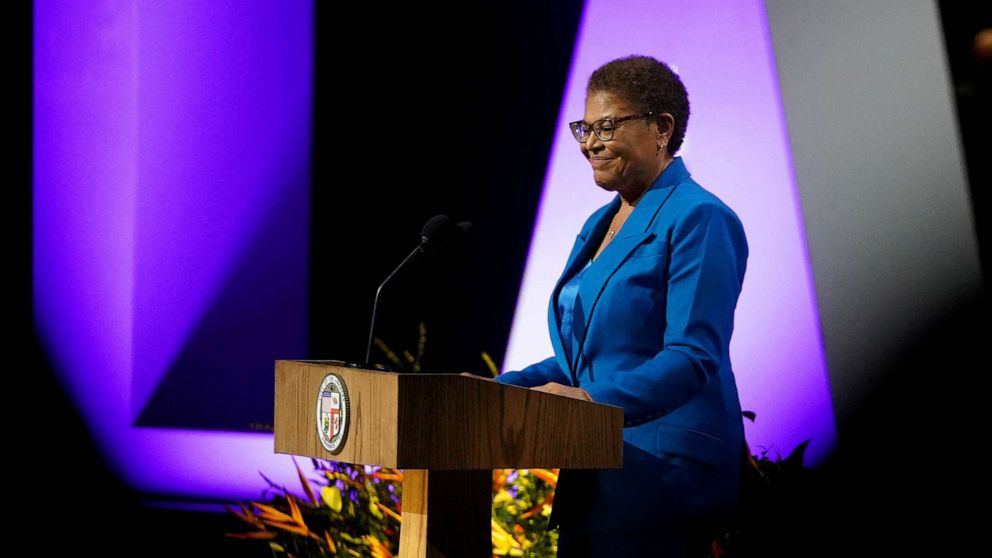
[(637, 230), (581, 252)]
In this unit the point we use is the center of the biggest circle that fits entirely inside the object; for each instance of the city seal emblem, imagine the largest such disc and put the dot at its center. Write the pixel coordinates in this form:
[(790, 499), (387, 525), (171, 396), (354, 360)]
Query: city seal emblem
[(333, 413)]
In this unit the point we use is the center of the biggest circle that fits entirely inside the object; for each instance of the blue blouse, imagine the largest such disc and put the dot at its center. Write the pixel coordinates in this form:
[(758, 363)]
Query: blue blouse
[(566, 302)]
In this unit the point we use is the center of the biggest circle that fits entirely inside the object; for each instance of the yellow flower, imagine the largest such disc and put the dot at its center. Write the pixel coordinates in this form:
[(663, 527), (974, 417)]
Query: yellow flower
[(502, 498), (331, 497)]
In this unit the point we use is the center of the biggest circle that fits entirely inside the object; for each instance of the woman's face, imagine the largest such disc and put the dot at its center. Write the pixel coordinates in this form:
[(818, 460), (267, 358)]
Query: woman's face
[(629, 162)]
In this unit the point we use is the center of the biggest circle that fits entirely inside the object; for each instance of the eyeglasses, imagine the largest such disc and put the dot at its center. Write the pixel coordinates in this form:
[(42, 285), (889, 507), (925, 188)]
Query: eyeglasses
[(602, 128)]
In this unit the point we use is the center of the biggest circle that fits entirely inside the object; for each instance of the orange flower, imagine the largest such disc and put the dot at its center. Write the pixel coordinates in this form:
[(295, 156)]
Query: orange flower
[(546, 475)]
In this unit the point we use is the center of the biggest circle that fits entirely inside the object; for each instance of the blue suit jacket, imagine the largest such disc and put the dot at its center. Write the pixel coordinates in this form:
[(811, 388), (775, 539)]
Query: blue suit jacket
[(652, 323)]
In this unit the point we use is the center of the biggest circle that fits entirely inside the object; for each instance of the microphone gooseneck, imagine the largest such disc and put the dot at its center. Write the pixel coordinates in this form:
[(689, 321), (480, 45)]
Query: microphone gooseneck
[(437, 231)]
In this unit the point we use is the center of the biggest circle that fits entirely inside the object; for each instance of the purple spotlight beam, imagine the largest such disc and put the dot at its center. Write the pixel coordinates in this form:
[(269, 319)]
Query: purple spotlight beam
[(171, 150)]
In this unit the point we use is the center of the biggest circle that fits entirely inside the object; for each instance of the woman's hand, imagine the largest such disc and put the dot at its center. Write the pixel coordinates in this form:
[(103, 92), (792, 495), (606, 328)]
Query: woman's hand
[(471, 375), (567, 391)]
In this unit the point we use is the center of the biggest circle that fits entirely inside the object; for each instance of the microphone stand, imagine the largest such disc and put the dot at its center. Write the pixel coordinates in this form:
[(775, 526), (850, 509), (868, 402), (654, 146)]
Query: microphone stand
[(418, 251)]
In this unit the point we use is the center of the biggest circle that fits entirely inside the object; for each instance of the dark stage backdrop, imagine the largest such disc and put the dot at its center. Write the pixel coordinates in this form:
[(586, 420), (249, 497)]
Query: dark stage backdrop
[(415, 119)]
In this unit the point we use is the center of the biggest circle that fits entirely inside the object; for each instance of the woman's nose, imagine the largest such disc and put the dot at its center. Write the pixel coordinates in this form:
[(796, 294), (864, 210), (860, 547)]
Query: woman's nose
[(592, 143)]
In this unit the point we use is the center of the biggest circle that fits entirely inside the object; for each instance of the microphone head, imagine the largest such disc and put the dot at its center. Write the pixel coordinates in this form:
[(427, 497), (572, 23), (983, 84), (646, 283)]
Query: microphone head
[(434, 232)]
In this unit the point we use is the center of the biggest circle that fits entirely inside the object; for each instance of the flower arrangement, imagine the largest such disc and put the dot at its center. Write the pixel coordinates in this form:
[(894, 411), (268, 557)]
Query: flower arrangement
[(349, 510), (355, 510), (522, 500)]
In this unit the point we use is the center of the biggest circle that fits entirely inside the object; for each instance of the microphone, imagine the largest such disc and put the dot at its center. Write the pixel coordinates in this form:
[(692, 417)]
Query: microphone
[(431, 236), (438, 232)]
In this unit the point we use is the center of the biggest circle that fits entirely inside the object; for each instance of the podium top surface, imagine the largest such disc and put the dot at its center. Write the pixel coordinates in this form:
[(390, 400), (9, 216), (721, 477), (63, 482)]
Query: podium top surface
[(437, 421)]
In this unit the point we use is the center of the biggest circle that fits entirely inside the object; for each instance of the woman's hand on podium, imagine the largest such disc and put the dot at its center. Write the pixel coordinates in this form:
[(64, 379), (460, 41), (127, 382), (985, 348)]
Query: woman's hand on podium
[(567, 391), (477, 377)]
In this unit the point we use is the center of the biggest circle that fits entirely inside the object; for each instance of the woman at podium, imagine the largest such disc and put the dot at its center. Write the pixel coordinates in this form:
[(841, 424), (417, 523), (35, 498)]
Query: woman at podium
[(641, 318)]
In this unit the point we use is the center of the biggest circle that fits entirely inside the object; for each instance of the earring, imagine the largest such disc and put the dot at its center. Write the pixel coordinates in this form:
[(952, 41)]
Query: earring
[(661, 147)]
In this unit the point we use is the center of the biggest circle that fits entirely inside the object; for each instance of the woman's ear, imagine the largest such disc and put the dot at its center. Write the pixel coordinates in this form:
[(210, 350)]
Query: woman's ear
[(666, 126)]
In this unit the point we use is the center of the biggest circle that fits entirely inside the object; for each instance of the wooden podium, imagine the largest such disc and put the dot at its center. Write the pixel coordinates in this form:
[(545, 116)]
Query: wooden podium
[(447, 432)]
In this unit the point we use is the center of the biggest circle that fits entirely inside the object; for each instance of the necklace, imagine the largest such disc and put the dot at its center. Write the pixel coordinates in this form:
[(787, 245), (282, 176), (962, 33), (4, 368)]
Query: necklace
[(615, 227)]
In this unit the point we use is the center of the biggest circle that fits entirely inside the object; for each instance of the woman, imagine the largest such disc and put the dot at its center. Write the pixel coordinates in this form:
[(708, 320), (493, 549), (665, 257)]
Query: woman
[(641, 319)]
